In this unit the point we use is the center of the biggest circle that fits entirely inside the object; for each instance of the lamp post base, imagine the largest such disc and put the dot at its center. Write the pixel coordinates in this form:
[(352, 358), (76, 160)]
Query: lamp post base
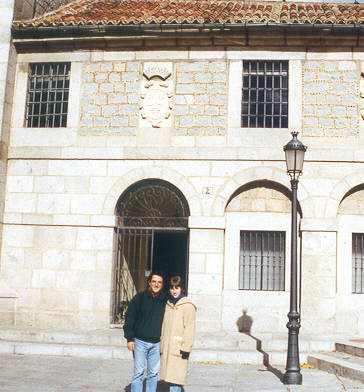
[(292, 378)]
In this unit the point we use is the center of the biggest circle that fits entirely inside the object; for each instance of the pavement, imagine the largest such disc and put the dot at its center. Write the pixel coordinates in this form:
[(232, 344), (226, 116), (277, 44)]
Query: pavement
[(41, 373)]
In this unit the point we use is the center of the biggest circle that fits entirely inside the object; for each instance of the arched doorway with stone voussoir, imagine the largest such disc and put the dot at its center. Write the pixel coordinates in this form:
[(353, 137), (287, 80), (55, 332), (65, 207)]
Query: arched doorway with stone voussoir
[(151, 233)]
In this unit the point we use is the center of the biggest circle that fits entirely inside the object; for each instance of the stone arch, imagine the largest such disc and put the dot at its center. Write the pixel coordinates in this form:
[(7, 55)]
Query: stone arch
[(341, 190), (278, 189), (156, 172), (153, 202), (269, 174)]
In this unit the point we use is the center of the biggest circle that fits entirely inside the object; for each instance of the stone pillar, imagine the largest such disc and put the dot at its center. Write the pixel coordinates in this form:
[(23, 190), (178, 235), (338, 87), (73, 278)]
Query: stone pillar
[(7, 72), (206, 276), (318, 277)]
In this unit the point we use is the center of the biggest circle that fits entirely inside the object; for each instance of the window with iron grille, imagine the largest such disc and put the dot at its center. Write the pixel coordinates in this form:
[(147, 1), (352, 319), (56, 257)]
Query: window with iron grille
[(47, 99), (265, 94), (262, 260), (358, 263)]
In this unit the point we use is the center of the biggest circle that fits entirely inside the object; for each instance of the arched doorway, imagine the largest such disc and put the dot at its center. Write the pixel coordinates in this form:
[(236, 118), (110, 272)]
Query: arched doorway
[(151, 234)]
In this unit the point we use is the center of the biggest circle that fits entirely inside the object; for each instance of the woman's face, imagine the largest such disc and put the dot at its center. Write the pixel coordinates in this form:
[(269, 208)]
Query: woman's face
[(175, 291)]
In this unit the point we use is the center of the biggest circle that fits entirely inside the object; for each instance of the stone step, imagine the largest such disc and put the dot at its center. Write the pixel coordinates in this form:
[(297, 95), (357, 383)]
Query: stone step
[(226, 347), (353, 347), (340, 363), (121, 352)]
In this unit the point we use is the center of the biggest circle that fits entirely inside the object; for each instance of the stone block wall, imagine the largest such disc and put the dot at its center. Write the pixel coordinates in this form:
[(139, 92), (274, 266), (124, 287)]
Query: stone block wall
[(111, 93), (201, 98), (110, 98), (331, 98), (62, 275)]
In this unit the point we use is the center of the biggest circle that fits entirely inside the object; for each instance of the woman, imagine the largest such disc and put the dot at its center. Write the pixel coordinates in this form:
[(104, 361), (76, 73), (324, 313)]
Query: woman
[(178, 331)]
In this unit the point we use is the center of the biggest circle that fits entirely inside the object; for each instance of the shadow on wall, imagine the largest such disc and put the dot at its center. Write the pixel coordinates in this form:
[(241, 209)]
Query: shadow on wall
[(244, 324)]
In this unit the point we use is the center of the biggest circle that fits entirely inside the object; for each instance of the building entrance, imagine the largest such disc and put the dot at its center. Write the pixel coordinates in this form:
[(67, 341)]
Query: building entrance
[(151, 234)]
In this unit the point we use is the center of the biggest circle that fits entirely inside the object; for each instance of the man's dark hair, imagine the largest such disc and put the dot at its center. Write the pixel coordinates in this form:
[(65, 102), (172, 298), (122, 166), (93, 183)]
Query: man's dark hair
[(156, 272)]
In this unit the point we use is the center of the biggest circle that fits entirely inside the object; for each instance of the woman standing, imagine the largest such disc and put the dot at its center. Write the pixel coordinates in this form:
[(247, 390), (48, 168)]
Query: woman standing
[(178, 331)]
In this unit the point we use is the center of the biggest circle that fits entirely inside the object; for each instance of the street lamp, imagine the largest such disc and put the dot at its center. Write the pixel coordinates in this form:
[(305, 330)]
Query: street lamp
[(295, 152)]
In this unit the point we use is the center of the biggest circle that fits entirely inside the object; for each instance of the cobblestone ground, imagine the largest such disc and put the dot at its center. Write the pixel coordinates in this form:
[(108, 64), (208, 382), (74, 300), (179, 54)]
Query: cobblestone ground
[(66, 374)]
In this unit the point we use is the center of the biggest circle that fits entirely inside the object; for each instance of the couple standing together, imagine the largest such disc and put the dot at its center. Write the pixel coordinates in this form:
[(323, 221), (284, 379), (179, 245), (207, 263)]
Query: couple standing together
[(160, 329)]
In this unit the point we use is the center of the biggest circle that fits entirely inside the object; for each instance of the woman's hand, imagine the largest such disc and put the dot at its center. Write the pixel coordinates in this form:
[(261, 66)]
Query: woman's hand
[(130, 346), (185, 354)]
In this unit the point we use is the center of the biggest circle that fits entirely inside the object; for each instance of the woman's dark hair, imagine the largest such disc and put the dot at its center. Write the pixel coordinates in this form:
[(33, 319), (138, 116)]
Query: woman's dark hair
[(176, 281)]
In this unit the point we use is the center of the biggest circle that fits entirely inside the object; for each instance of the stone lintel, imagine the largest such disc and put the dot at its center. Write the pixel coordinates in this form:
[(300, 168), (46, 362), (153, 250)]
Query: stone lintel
[(319, 224), (203, 222)]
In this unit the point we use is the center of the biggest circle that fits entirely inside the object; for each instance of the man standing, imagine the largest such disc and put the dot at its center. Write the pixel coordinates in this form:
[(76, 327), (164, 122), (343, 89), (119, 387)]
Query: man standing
[(142, 330)]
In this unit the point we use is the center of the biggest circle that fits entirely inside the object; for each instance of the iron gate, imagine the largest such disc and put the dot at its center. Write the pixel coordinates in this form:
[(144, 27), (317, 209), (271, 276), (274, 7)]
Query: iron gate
[(146, 207)]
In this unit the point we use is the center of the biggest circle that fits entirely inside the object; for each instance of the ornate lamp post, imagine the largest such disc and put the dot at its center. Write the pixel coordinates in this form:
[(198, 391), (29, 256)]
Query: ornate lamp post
[(295, 152)]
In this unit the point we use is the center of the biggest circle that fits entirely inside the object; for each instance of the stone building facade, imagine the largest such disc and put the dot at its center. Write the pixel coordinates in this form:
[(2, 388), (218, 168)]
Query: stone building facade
[(165, 113)]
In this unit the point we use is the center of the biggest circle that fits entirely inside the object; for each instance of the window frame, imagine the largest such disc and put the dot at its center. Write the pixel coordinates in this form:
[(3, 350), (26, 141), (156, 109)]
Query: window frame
[(50, 104), (259, 87), (295, 89), (264, 274), (354, 263), (252, 221), (21, 89)]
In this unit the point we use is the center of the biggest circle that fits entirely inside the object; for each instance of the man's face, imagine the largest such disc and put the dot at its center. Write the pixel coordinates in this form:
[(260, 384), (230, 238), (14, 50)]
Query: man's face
[(156, 283)]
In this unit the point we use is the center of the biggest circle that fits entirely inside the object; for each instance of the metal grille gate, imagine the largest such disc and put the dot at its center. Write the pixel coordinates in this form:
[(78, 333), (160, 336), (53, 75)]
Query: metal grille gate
[(147, 207)]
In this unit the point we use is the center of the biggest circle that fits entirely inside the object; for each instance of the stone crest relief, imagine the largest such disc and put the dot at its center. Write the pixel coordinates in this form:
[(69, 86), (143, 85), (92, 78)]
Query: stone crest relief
[(156, 95)]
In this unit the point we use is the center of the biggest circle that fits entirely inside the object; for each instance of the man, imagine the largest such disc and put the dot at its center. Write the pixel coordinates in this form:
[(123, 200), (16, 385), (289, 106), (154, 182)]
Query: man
[(142, 330)]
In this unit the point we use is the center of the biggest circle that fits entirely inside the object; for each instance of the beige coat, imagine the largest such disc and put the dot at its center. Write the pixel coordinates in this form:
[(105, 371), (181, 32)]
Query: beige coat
[(178, 332)]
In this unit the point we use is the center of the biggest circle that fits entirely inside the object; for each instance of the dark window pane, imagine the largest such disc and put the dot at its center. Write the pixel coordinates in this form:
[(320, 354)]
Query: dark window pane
[(284, 96), (276, 122), (261, 81), (269, 82), (245, 108), (284, 122), (253, 81), (268, 96), (284, 109)]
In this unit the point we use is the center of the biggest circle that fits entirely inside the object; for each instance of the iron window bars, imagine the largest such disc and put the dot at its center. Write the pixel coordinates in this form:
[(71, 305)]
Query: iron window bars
[(358, 263), (265, 94), (48, 91), (262, 260)]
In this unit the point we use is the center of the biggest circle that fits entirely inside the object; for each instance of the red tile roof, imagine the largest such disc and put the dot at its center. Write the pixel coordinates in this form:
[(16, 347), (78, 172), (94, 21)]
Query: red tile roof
[(138, 12)]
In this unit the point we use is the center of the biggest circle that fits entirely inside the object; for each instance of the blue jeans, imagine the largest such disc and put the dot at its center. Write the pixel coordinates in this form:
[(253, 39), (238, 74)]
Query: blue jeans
[(150, 353), (175, 388)]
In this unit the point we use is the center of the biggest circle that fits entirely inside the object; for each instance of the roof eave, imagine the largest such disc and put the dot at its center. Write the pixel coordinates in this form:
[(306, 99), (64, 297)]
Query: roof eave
[(183, 28)]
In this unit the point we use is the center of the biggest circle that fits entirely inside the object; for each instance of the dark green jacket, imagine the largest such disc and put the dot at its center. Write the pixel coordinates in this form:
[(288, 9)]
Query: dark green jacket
[(144, 317)]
